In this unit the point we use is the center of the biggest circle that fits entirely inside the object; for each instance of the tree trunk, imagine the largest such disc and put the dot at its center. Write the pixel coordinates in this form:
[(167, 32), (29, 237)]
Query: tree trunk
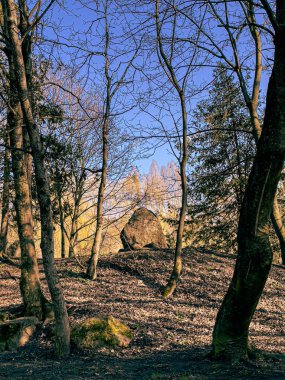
[(230, 337), (28, 163), (252, 105), (276, 217), (166, 64), (62, 229), (279, 228), (32, 296), (92, 267), (177, 267), (95, 252), (5, 198), (62, 344), (73, 229), (78, 194)]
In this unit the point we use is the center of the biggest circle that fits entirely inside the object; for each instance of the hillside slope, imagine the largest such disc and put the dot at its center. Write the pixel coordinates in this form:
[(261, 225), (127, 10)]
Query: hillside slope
[(172, 337)]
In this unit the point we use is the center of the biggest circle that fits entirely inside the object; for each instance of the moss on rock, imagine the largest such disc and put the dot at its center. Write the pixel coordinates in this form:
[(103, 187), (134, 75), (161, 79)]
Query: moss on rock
[(98, 332)]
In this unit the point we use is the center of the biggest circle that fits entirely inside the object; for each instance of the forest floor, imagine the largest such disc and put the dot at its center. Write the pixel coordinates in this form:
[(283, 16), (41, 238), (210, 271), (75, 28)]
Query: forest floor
[(171, 338)]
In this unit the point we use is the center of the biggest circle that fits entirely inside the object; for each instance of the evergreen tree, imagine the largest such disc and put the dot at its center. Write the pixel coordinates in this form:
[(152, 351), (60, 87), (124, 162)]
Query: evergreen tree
[(221, 154)]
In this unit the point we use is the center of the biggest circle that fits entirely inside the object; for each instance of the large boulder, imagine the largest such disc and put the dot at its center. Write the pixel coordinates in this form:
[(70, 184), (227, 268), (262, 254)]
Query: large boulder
[(99, 332), (143, 229), (17, 332)]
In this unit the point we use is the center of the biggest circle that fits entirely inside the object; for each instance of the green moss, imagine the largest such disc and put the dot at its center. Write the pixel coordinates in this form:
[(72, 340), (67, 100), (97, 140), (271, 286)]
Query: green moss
[(98, 332)]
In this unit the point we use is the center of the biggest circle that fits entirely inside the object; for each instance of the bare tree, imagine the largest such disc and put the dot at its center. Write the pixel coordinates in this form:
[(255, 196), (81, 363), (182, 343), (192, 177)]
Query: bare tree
[(19, 39), (238, 21), (33, 299), (176, 74), (230, 337), (170, 72), (252, 100), (112, 87)]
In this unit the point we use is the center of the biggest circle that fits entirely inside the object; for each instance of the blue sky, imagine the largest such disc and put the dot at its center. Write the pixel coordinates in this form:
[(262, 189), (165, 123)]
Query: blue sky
[(72, 25)]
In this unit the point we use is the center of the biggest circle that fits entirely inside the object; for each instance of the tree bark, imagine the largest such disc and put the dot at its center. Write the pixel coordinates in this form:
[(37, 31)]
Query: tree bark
[(92, 267), (78, 194), (62, 344), (164, 60), (32, 296), (279, 228), (111, 89), (73, 230), (28, 163), (230, 337), (5, 198), (95, 252), (177, 266), (62, 228), (252, 105)]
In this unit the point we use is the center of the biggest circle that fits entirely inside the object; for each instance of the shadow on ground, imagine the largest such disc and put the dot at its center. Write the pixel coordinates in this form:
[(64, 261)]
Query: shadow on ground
[(178, 364)]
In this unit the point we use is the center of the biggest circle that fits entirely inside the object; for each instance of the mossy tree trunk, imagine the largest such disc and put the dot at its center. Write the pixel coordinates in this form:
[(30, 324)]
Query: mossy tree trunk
[(32, 296), (33, 299), (5, 197), (230, 337), (62, 343)]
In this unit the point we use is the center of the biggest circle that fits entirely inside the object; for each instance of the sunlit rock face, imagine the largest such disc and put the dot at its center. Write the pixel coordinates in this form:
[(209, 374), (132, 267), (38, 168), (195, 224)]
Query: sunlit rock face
[(143, 230)]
